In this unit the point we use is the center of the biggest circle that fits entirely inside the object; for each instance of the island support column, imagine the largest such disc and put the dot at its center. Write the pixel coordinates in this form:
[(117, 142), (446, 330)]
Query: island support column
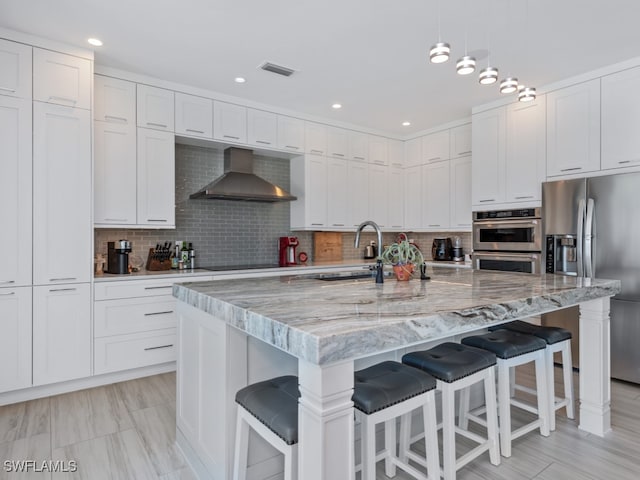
[(595, 367), (325, 421)]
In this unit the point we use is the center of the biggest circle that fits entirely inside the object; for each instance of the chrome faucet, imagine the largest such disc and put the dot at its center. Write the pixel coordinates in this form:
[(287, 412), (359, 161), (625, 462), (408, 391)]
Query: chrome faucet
[(374, 225)]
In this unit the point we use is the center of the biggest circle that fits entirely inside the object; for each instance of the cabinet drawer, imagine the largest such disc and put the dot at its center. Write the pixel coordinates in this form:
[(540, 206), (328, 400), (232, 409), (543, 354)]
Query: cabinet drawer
[(132, 315), (141, 288), (123, 352)]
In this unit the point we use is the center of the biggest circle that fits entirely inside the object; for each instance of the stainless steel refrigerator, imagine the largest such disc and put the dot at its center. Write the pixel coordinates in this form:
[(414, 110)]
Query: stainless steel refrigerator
[(592, 228)]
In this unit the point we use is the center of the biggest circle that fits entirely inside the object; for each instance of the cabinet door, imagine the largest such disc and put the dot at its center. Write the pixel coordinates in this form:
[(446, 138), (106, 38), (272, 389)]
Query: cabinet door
[(378, 150), (435, 147), (395, 150), (488, 159), (155, 108), (194, 115), (290, 134), (15, 69), (358, 176), (315, 138), (15, 338), (337, 193), (61, 79), (114, 100), (61, 333), (338, 142), (460, 138), (358, 145), (316, 197), (460, 172), (435, 209), (620, 119), (156, 178), (114, 194), (413, 202), (378, 194), (395, 197), (15, 190), (526, 151), (62, 229), (413, 152), (229, 122), (573, 129), (262, 128)]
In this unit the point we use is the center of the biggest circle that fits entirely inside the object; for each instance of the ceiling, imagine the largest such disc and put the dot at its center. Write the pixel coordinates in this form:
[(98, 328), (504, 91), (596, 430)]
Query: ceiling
[(369, 55)]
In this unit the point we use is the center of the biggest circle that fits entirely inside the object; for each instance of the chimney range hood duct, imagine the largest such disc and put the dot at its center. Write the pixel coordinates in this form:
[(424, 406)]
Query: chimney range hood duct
[(240, 183)]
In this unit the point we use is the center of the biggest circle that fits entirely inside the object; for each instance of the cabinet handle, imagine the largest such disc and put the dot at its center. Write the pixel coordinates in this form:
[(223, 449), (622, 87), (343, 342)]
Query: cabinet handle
[(379, 162), (338, 154), (61, 279), (232, 137), (63, 99), (358, 158), (313, 150), (158, 313), (194, 131), (7, 281), (62, 289), (488, 200), (156, 348), (570, 169), (522, 198), (156, 220), (156, 288), (116, 219), (263, 142), (8, 89), (293, 147), (628, 161), (433, 158), (434, 224), (111, 117), (7, 294), (318, 224), (464, 153), (157, 124), (338, 224)]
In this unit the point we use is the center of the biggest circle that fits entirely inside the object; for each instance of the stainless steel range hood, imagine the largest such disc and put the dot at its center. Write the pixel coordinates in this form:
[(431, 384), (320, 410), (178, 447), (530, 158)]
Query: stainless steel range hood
[(240, 183)]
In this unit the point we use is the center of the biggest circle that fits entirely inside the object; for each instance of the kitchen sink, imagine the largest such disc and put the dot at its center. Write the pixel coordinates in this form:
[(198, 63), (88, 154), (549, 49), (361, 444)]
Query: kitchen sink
[(337, 276)]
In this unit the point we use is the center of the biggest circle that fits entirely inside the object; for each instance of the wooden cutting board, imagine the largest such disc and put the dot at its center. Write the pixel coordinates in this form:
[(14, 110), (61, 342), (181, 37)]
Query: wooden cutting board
[(327, 247)]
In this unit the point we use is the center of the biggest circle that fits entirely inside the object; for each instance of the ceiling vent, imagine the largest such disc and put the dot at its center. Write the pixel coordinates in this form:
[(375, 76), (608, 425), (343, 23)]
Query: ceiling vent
[(279, 69)]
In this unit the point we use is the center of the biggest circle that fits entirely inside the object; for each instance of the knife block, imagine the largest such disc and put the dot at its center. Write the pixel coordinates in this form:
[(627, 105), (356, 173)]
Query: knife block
[(155, 265)]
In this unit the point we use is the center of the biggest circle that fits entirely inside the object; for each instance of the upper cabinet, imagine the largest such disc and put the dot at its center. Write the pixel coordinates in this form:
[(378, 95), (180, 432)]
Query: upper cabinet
[(291, 134), (395, 151), (488, 138), (435, 147), (460, 193), (573, 129), (155, 108), (378, 153), (114, 100), (262, 128), (358, 146), (15, 69), (229, 122), (193, 116), (315, 138), (413, 152), (337, 142), (61, 79), (460, 138)]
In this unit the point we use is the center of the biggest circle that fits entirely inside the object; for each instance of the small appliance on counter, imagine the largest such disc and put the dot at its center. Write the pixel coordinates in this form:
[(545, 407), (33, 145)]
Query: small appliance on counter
[(457, 255), (441, 249), (287, 248), (118, 257), (370, 251)]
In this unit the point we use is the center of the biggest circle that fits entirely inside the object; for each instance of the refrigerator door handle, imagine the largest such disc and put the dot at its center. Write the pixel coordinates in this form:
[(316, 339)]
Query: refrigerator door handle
[(580, 237), (588, 239)]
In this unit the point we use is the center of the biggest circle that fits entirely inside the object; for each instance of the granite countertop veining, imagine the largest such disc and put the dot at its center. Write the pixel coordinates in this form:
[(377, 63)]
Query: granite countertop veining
[(325, 322)]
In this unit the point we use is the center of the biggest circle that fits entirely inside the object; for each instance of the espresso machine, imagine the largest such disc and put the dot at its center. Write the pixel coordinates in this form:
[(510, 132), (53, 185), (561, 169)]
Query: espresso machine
[(287, 246), (118, 256)]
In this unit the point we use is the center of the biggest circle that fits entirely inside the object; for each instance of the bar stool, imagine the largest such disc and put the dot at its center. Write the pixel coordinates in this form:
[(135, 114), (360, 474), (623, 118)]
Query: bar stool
[(457, 367), (558, 340), (513, 349)]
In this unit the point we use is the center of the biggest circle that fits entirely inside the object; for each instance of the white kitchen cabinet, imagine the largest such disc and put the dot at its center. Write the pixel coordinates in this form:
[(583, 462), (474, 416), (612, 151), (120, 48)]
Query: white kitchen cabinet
[(413, 152), (15, 338), (460, 193), (229, 122), (61, 333), (62, 230), (309, 184), (573, 129), (413, 197), (395, 197), (620, 104), (15, 69), (358, 192), (61, 79), (315, 138), (114, 100), (337, 194), (488, 159), (358, 146), (460, 141), (124, 352), (337, 142), (435, 147), (193, 115), (436, 188), (155, 108), (525, 167), (156, 178), (16, 190), (395, 149), (262, 128), (378, 153), (115, 183), (378, 194), (291, 134)]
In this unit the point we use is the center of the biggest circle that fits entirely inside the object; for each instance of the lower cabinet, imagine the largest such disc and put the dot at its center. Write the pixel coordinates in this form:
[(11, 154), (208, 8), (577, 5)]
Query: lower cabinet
[(61, 333), (15, 338)]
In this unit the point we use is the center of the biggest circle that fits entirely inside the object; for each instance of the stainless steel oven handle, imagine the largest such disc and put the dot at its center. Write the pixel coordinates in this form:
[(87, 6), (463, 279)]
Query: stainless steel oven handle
[(506, 256), (534, 222)]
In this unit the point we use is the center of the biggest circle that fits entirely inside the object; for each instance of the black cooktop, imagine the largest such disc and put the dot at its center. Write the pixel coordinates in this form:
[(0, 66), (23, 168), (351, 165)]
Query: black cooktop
[(253, 266)]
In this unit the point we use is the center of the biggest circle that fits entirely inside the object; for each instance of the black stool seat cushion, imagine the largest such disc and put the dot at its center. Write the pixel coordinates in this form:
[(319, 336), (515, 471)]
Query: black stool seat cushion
[(550, 335), (506, 343), (384, 384), (275, 403), (450, 361)]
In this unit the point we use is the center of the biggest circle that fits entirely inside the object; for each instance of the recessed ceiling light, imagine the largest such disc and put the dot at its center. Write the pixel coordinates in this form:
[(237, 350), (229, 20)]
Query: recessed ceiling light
[(336, 106), (95, 42), (239, 79), (406, 124)]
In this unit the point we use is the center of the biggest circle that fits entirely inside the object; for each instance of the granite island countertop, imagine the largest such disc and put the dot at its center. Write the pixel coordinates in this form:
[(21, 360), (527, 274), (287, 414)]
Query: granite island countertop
[(324, 322)]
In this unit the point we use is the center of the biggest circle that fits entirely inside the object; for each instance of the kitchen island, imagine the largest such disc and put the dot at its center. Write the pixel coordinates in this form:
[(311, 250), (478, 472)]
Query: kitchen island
[(232, 333)]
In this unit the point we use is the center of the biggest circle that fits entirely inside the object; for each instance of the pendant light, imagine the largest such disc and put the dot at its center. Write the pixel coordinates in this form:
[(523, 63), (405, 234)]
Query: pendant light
[(439, 53), (466, 64), (526, 94), (488, 75), (509, 85)]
